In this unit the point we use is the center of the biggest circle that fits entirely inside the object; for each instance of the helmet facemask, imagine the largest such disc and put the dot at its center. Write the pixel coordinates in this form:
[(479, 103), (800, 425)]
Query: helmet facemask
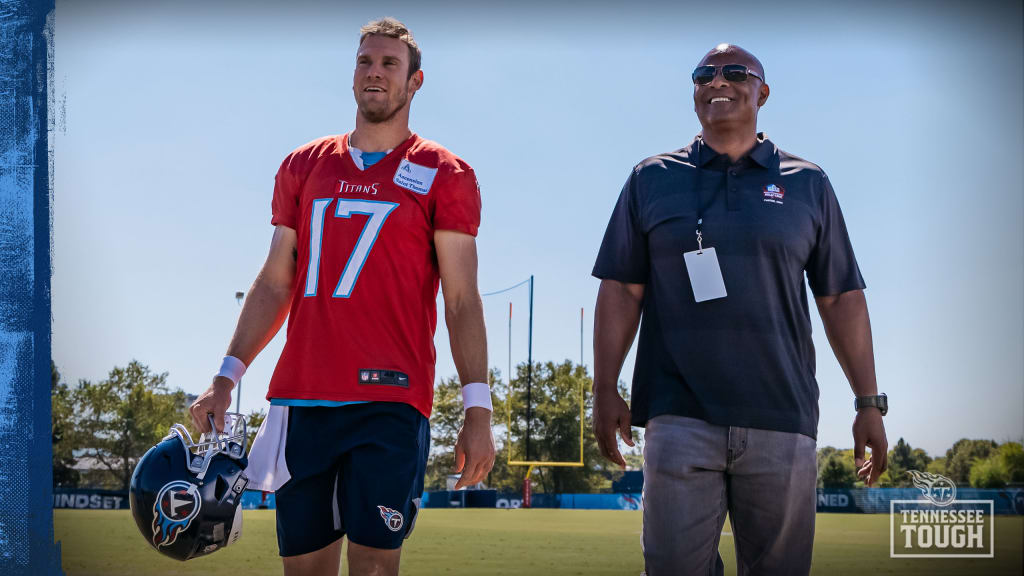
[(232, 442)]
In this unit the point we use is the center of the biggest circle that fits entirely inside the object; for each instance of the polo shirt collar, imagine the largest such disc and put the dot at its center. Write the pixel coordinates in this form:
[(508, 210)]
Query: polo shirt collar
[(764, 153)]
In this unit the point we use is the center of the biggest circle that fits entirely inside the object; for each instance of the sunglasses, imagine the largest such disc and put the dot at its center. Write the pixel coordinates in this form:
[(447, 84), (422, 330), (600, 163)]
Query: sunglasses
[(703, 75)]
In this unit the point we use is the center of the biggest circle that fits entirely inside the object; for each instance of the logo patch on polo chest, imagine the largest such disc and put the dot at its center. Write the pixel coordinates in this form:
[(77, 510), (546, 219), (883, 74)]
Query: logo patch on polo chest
[(773, 193)]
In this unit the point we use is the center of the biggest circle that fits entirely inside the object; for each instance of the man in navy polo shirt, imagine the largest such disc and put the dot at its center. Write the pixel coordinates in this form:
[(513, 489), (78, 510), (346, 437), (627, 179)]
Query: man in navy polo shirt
[(710, 245)]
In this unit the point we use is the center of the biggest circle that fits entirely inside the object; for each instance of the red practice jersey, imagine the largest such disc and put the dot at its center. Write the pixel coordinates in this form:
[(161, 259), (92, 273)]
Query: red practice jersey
[(363, 309)]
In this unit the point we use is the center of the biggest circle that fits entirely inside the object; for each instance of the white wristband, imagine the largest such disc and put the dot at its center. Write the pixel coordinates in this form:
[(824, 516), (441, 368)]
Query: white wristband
[(232, 368), (476, 394)]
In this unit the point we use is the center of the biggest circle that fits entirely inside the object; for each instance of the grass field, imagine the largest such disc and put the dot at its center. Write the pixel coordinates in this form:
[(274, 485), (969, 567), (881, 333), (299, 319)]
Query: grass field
[(506, 542)]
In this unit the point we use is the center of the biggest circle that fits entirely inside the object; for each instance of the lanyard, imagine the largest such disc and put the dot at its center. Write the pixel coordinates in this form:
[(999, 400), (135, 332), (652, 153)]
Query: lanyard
[(699, 177)]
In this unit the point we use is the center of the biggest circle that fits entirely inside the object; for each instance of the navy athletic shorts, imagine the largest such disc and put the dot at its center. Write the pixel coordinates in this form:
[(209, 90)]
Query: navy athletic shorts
[(356, 470)]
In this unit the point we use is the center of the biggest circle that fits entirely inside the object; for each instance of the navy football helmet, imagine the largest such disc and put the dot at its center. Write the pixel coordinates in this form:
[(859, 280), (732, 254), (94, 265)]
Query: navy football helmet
[(185, 495)]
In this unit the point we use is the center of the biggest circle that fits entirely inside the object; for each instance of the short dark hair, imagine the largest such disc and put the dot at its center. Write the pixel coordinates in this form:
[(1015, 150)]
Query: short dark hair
[(392, 28)]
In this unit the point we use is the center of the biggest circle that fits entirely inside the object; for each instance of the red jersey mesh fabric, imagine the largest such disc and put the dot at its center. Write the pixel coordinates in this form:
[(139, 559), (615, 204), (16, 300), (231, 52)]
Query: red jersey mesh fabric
[(366, 278)]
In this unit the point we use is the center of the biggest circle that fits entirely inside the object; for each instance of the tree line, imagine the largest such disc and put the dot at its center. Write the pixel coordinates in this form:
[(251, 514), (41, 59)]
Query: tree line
[(554, 391), (108, 424), (101, 428), (975, 463)]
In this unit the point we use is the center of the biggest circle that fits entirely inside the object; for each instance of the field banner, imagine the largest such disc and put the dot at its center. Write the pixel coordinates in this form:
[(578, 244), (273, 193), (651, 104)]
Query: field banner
[(621, 501), (461, 499), (85, 499), (90, 499), (1007, 501)]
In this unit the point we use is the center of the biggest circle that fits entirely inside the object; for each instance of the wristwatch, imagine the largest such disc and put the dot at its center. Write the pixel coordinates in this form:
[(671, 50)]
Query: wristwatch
[(881, 402)]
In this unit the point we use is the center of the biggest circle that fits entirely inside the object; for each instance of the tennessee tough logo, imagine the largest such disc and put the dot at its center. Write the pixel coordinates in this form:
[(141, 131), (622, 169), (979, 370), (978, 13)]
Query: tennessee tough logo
[(177, 504)]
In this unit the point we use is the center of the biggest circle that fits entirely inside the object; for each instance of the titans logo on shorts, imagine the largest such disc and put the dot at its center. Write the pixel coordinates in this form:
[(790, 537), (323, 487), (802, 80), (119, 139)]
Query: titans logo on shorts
[(356, 470)]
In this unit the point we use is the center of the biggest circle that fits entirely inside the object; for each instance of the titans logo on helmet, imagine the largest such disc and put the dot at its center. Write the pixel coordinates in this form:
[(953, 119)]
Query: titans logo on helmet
[(177, 504), (392, 518)]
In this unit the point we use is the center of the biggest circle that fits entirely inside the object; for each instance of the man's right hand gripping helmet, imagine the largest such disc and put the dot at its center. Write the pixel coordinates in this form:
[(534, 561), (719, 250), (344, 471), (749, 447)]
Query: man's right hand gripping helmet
[(185, 495)]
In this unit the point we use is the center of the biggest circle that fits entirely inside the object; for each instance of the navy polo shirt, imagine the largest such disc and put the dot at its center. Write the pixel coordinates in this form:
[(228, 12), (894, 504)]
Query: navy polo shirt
[(746, 359)]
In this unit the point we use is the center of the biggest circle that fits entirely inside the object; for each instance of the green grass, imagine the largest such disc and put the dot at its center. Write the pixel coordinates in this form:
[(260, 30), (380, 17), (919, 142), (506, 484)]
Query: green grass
[(507, 542)]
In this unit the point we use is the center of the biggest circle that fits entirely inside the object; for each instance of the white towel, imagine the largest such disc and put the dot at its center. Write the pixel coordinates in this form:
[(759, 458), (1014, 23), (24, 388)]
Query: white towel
[(267, 468)]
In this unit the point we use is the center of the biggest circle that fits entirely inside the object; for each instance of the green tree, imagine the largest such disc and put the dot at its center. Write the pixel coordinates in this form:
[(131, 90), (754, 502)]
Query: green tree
[(921, 459), (122, 416), (937, 466), (989, 473), (1012, 454), (1004, 466), (962, 456), (838, 472), (554, 426), (902, 459), (63, 431), (253, 421), (824, 453), (554, 430)]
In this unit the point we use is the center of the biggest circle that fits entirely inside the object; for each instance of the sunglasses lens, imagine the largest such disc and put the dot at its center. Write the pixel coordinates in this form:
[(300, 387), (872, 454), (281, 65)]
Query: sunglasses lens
[(703, 75), (734, 73)]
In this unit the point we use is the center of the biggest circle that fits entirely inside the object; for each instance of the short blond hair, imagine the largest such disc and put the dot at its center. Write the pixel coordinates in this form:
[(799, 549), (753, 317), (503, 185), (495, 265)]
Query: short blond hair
[(392, 28)]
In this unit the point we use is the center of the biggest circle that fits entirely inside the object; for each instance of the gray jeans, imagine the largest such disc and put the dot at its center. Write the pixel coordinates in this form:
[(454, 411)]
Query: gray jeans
[(694, 472)]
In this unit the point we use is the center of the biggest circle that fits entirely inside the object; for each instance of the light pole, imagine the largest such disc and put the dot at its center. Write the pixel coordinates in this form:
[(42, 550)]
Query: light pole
[(239, 296)]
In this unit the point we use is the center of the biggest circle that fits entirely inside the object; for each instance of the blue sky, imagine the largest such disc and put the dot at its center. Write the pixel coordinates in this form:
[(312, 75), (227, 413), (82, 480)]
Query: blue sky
[(172, 119)]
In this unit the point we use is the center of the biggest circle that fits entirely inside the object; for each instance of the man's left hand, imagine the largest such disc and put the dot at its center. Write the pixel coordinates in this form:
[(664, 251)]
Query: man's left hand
[(869, 431), (474, 450)]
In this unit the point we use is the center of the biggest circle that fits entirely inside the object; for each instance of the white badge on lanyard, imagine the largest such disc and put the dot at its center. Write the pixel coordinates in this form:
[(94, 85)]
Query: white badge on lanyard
[(705, 273)]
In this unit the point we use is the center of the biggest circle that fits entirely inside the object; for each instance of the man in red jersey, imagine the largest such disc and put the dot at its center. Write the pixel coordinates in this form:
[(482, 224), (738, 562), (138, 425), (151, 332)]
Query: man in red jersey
[(367, 225)]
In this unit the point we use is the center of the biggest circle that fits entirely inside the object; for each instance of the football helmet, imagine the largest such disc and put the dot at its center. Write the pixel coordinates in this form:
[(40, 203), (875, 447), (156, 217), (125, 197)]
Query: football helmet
[(185, 494)]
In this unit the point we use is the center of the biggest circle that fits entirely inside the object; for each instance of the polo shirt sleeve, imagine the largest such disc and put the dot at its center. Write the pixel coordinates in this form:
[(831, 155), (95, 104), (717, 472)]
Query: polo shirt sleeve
[(832, 267), (624, 254), (457, 201), (287, 187)]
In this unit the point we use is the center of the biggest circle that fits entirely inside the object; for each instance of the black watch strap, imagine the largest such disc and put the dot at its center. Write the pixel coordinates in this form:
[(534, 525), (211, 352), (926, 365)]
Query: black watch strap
[(881, 402)]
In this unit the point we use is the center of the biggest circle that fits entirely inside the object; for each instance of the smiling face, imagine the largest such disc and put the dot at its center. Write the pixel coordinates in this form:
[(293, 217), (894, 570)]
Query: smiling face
[(725, 104), (381, 82)]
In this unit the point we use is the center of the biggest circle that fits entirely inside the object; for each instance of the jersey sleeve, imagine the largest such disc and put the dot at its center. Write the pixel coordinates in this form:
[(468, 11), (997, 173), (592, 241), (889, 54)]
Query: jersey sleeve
[(832, 267), (287, 185), (457, 201), (624, 255)]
